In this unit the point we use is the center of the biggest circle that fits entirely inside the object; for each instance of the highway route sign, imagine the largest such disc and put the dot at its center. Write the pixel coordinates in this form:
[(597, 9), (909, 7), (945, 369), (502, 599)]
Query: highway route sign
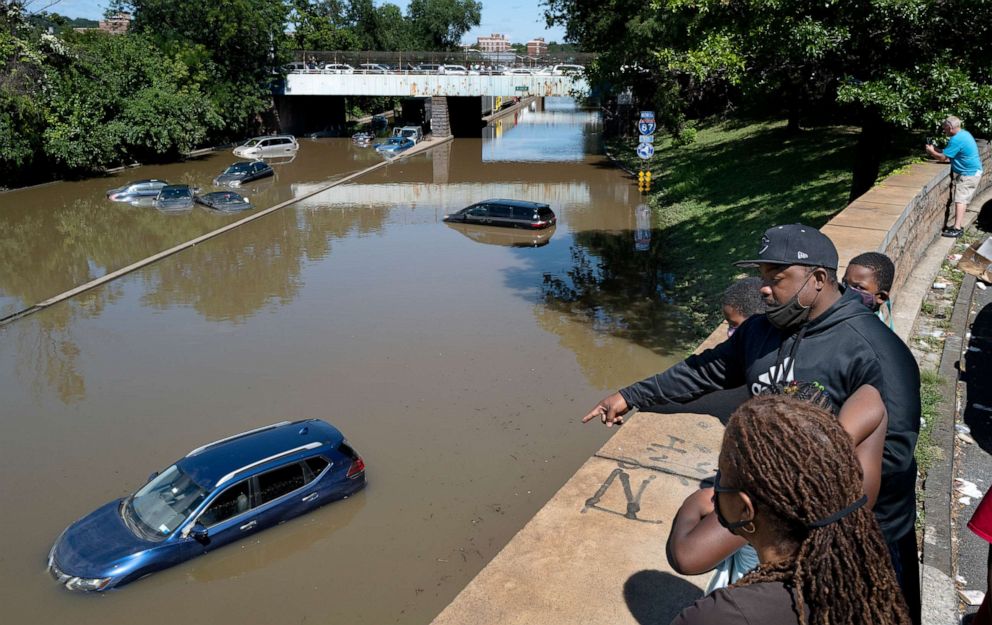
[(645, 150)]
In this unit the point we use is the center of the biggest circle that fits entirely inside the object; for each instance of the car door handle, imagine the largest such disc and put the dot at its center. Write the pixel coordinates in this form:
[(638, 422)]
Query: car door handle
[(310, 497), (248, 525)]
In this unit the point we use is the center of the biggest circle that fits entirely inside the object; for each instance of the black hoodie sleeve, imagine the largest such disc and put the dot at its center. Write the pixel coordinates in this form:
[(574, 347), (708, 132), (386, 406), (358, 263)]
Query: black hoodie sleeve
[(712, 370)]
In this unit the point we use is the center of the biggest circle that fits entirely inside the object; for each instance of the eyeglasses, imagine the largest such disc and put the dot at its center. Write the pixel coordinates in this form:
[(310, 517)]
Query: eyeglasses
[(722, 489)]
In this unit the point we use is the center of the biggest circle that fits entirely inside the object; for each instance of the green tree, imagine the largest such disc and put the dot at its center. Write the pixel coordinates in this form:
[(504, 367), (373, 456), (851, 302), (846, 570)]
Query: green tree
[(119, 97), (885, 64), (321, 25), (440, 24), (23, 55), (238, 42), (380, 28)]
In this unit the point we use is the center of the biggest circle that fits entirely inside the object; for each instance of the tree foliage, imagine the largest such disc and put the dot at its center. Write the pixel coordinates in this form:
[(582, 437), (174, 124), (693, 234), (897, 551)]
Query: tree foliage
[(237, 42), (23, 55), (440, 24), (119, 97), (901, 64)]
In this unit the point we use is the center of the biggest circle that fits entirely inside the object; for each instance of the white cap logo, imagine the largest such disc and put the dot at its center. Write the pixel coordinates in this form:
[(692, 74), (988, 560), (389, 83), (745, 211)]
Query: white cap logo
[(801, 255)]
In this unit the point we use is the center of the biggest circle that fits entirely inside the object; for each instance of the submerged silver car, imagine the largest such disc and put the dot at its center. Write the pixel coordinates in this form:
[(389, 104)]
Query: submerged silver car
[(264, 147), (136, 189)]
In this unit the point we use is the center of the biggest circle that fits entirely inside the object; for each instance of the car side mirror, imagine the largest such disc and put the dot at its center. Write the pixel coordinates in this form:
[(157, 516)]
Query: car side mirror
[(153, 476), (200, 534)]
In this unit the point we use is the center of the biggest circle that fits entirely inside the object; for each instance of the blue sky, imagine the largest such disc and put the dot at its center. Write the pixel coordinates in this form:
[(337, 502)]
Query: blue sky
[(519, 20)]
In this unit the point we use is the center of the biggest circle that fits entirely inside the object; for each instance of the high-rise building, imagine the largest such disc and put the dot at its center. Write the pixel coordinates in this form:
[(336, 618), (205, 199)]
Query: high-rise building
[(537, 47), (495, 42)]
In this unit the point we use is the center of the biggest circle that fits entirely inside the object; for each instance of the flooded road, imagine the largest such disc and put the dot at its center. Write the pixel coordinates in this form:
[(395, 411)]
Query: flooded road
[(456, 360)]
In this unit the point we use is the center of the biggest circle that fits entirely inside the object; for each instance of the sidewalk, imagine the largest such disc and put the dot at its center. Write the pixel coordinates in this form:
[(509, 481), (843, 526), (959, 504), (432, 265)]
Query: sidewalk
[(960, 326), (972, 460)]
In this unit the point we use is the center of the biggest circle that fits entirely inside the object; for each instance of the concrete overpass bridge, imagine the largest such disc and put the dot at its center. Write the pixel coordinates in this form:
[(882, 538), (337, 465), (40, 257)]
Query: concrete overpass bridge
[(445, 104)]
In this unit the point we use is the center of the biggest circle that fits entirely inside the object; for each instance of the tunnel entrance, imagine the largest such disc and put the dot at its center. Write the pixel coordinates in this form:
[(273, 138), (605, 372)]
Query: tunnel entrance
[(303, 115), (465, 116)]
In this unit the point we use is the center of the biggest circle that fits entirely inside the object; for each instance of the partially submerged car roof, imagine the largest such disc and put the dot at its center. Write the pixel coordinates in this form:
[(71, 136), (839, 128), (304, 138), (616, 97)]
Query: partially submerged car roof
[(520, 203), (257, 448)]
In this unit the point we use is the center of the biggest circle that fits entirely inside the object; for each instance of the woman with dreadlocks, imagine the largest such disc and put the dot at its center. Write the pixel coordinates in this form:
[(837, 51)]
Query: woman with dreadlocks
[(789, 483)]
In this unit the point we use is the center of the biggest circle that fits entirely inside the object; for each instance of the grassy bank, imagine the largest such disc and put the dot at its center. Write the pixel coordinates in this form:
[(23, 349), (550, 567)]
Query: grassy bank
[(712, 200)]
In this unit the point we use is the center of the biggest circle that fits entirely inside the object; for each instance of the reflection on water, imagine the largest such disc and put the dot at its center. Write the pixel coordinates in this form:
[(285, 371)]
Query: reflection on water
[(510, 237), (58, 236), (458, 369), (560, 133)]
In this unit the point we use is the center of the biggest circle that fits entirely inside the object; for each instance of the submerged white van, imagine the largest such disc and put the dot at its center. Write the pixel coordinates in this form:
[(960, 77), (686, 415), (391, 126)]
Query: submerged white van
[(266, 147)]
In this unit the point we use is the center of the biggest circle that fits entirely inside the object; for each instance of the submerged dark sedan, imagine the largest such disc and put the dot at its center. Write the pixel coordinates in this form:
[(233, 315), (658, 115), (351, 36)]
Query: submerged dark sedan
[(240, 173), (177, 197), (507, 213), (216, 494), (227, 201)]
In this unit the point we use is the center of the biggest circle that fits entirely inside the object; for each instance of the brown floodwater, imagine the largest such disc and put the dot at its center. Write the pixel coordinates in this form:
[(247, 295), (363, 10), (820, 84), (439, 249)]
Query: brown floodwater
[(456, 360)]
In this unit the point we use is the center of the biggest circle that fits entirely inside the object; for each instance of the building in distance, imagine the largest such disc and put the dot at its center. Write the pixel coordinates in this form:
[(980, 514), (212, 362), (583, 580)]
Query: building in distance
[(116, 24), (537, 47), (495, 42)]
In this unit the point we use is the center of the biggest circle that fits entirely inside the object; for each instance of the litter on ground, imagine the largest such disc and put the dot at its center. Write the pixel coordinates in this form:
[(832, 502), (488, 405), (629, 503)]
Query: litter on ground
[(966, 488)]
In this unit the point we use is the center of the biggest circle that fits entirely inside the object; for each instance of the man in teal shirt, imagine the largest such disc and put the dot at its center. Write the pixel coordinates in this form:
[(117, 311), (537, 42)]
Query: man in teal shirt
[(966, 169)]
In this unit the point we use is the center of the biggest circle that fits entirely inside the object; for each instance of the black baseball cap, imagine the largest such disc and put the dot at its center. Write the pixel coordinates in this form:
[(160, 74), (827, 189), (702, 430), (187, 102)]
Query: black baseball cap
[(794, 244)]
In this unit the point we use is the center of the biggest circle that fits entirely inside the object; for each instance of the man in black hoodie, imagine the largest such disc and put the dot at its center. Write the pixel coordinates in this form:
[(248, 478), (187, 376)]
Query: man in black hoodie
[(814, 333)]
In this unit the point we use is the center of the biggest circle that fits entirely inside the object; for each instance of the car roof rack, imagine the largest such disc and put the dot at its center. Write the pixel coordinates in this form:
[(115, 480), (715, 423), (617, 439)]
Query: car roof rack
[(281, 454), (231, 438)]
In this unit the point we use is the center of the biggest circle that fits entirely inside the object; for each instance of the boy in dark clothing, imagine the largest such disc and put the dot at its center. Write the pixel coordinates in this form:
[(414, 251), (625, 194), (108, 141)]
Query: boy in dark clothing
[(813, 333), (871, 275)]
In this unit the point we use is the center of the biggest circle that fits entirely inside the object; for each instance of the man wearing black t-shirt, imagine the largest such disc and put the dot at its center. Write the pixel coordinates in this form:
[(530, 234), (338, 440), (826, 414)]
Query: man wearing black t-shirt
[(814, 333)]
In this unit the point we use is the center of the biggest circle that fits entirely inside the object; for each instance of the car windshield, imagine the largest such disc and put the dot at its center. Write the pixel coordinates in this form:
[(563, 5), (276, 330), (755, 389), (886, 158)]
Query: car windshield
[(238, 168), (252, 143), (165, 502), (171, 194)]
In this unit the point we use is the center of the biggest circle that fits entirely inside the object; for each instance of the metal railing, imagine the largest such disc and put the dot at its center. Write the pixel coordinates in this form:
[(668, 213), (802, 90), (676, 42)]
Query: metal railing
[(421, 62)]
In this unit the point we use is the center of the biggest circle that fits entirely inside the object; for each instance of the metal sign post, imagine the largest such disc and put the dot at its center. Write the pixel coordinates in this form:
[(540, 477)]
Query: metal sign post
[(645, 148)]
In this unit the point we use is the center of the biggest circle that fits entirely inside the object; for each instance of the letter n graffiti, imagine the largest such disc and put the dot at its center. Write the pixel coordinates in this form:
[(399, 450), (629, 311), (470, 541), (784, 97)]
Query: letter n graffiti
[(633, 501)]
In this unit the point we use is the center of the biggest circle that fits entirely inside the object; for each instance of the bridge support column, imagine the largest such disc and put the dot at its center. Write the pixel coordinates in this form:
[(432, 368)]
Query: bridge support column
[(440, 122)]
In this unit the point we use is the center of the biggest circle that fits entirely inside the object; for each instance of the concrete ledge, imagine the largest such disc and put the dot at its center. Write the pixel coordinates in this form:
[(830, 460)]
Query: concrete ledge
[(595, 552)]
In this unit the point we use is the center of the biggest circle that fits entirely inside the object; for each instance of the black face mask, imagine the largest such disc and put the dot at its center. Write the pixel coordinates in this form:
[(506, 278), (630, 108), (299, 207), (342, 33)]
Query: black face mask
[(722, 520), (790, 315)]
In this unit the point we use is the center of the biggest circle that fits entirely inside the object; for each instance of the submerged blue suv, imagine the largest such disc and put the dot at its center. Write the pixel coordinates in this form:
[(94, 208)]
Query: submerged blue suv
[(215, 495)]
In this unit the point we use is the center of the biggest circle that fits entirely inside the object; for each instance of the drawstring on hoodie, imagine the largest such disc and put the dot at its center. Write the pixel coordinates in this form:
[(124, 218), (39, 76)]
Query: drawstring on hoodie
[(781, 374)]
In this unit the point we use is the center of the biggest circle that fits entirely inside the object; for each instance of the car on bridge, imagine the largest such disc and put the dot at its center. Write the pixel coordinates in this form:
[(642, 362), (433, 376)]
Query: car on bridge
[(568, 70), (241, 172), (177, 197), (372, 68), (457, 70), (337, 68), (136, 189), (506, 213), (394, 145), (225, 201), (216, 494), (264, 147)]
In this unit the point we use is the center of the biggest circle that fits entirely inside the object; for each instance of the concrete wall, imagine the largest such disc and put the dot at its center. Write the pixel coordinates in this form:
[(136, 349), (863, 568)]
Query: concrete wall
[(424, 85), (901, 216)]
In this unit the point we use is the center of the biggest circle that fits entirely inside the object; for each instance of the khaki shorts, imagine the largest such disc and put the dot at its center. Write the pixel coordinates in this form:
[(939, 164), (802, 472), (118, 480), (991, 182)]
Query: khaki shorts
[(964, 187)]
